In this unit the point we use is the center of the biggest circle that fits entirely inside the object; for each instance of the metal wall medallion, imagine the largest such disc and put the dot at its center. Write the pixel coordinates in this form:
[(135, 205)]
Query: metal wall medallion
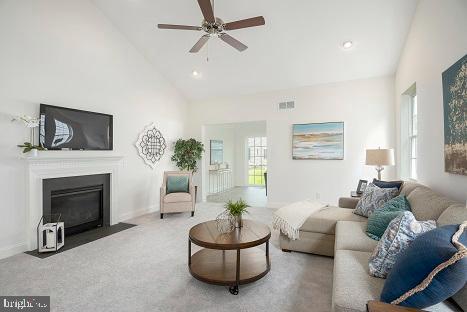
[(151, 145)]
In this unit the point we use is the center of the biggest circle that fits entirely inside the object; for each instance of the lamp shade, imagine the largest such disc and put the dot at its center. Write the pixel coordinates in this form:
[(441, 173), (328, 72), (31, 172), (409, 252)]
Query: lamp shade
[(380, 157)]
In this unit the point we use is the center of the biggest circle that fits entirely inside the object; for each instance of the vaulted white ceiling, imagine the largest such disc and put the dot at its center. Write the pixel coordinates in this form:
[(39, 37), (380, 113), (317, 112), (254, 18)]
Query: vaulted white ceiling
[(300, 44)]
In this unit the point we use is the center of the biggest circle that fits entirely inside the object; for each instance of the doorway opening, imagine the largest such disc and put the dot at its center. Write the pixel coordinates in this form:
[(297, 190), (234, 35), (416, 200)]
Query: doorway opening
[(235, 162)]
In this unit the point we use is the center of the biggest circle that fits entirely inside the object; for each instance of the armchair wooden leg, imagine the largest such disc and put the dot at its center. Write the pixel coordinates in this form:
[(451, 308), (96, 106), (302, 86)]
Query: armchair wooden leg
[(162, 215), (192, 213)]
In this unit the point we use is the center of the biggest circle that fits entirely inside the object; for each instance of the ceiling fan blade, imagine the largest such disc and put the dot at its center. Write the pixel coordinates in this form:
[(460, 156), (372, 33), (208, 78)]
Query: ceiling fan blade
[(206, 9), (183, 27), (233, 42), (198, 45), (249, 22)]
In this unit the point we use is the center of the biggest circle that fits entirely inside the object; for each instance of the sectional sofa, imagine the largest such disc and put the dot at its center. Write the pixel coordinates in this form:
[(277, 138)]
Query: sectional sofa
[(338, 232)]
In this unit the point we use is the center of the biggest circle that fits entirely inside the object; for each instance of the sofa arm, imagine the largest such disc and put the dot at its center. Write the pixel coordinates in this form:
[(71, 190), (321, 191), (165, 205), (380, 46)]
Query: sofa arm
[(348, 202)]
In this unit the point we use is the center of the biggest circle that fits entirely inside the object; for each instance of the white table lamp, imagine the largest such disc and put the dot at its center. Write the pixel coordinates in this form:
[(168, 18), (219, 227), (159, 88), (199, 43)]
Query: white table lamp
[(379, 158)]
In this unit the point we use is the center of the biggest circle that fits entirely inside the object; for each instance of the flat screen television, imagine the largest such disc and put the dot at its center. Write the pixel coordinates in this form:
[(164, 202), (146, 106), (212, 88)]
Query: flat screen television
[(67, 128)]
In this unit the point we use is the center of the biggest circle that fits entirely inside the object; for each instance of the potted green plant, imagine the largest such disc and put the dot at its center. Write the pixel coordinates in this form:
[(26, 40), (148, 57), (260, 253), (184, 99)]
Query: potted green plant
[(236, 210), (186, 155)]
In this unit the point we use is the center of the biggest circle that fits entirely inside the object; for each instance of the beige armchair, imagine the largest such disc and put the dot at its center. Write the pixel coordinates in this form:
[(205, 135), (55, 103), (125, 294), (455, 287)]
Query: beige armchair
[(180, 201)]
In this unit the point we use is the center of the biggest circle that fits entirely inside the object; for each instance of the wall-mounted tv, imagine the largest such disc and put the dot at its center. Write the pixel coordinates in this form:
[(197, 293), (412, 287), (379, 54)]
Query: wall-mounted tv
[(67, 128)]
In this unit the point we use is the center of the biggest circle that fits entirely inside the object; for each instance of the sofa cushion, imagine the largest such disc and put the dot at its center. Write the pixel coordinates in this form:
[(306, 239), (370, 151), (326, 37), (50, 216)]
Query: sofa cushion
[(310, 242), (350, 235), (426, 204), (324, 221), (353, 287), (380, 218), (401, 232), (433, 265), (408, 187), (348, 202), (177, 197), (454, 214)]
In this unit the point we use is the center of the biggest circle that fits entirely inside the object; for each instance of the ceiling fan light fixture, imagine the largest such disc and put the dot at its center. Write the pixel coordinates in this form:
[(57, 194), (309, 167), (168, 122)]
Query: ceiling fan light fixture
[(347, 44), (212, 25)]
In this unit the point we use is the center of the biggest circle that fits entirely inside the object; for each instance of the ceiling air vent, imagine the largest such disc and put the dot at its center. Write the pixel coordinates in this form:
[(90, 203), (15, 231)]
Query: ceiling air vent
[(286, 105)]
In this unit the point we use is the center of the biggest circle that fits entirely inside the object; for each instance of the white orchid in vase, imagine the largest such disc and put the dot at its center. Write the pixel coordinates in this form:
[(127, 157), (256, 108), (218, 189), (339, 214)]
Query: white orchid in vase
[(32, 123)]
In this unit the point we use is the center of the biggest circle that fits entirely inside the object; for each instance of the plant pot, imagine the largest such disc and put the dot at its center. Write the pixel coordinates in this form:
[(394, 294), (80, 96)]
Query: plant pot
[(33, 153), (238, 221)]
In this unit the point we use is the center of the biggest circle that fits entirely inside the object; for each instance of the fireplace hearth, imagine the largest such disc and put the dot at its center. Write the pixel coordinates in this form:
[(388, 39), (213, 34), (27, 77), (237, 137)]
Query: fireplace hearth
[(82, 201)]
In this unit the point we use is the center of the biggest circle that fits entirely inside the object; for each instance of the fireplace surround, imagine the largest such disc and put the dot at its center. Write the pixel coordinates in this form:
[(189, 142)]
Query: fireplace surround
[(61, 164)]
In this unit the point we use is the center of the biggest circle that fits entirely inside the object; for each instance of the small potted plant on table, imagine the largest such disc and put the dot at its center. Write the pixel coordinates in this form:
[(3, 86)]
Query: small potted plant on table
[(236, 210)]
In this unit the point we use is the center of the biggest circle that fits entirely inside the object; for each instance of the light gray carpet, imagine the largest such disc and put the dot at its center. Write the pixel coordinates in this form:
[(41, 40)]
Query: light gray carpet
[(145, 269)]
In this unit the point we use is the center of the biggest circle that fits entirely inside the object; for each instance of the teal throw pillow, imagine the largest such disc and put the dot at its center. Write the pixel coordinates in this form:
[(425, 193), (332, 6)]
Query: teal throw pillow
[(177, 184), (379, 220)]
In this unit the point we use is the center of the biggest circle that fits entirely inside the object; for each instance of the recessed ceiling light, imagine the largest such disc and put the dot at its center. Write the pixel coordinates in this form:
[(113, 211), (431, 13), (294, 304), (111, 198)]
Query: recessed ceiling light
[(195, 73), (347, 44)]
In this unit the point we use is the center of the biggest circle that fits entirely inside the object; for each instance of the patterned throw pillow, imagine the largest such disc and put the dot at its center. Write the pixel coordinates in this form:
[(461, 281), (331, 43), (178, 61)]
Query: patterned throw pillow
[(379, 220), (388, 184), (373, 198), (397, 237)]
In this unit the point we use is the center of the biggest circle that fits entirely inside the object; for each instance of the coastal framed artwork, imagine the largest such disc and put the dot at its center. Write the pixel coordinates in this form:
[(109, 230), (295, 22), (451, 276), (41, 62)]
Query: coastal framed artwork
[(455, 120), (318, 141)]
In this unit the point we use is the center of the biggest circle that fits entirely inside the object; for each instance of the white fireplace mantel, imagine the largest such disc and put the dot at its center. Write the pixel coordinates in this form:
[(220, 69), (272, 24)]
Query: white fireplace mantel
[(59, 164)]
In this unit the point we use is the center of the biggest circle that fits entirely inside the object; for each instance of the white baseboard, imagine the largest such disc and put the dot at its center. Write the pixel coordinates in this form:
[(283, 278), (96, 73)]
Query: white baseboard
[(12, 250), (136, 213)]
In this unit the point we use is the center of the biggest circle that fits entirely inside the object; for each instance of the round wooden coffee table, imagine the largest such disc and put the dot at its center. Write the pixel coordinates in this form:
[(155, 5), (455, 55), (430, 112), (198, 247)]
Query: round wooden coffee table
[(220, 262)]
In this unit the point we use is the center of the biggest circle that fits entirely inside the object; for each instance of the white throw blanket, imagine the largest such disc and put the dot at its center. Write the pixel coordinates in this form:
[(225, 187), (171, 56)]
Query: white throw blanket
[(290, 218)]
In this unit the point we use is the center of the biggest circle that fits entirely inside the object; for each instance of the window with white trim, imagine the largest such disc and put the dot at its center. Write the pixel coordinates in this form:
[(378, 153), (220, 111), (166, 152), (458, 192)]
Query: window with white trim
[(409, 134)]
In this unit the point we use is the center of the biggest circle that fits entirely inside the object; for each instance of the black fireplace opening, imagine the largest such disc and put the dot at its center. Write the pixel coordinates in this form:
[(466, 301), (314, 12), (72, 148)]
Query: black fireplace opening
[(83, 202)]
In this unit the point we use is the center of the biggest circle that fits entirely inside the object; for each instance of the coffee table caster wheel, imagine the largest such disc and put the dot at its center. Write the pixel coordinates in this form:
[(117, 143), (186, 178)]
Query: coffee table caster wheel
[(233, 290)]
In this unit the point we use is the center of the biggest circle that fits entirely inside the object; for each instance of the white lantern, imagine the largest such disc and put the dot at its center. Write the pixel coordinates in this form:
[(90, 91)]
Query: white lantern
[(51, 235)]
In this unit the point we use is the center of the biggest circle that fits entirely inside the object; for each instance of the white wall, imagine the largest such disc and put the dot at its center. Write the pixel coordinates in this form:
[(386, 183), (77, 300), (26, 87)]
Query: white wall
[(366, 107), (66, 53), (437, 40)]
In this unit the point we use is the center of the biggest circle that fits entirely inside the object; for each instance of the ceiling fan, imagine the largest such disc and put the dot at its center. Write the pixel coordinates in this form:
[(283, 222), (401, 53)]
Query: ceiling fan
[(212, 25)]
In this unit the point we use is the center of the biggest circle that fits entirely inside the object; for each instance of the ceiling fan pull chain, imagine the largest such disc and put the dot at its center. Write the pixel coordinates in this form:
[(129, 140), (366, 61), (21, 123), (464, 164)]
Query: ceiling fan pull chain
[(207, 52)]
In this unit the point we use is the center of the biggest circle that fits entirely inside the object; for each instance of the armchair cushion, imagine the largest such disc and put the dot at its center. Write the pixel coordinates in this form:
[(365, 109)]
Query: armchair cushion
[(177, 197), (177, 184)]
